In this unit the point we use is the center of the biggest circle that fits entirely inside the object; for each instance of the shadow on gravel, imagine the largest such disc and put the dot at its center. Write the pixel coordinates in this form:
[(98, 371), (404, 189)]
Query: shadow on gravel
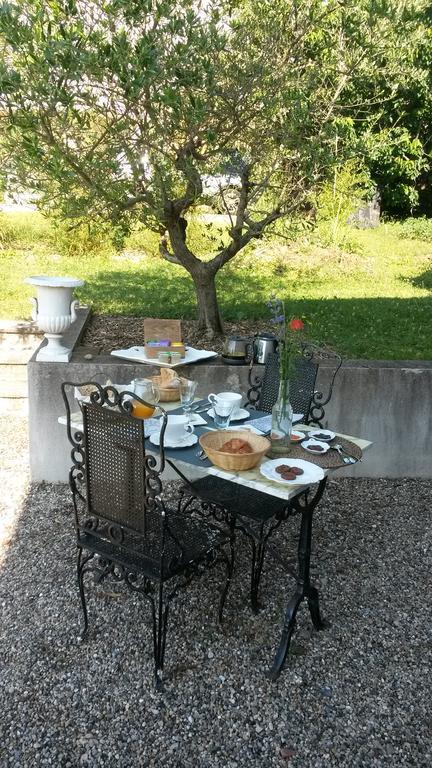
[(356, 694)]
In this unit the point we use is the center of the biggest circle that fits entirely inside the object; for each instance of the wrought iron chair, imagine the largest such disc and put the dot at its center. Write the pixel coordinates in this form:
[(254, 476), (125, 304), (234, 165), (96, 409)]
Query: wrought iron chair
[(125, 529), (257, 514), (304, 397)]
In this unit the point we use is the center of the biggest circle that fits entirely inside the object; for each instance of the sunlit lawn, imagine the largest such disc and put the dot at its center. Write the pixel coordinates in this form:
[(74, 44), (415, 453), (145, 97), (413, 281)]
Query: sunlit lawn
[(375, 302)]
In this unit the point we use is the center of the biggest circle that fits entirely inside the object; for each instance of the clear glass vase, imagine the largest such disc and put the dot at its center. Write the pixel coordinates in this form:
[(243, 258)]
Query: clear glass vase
[(282, 418)]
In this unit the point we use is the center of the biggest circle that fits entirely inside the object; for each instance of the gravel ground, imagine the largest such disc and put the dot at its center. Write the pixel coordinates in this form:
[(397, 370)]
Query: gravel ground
[(356, 694)]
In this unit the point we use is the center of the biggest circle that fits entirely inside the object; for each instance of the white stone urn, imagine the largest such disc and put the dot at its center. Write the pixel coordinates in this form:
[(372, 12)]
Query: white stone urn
[(54, 311)]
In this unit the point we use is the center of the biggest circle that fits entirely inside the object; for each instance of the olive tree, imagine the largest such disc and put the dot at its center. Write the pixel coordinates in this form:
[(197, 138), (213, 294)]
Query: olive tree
[(117, 110)]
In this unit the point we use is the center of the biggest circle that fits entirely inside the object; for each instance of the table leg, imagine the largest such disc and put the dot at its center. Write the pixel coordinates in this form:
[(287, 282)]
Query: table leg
[(304, 589)]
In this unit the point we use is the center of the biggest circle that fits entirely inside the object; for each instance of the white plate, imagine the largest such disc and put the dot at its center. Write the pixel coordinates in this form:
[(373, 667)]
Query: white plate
[(242, 413), (329, 435), (307, 443), (311, 473), (186, 441)]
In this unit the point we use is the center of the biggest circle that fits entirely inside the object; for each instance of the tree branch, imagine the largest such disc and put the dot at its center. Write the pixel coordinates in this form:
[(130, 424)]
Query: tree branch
[(166, 254), (194, 186), (256, 228)]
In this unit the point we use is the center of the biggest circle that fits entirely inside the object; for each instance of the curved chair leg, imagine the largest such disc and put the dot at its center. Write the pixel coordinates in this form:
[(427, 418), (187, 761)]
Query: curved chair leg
[(258, 554), (80, 575), (230, 560), (160, 624), (258, 551)]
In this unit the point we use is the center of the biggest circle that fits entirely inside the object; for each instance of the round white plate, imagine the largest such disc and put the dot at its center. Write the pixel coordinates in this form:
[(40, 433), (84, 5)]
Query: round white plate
[(242, 413), (329, 435), (186, 441), (311, 473), (306, 444)]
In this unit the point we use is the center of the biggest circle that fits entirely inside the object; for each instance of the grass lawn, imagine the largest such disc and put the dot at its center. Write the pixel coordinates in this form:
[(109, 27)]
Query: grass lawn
[(372, 302)]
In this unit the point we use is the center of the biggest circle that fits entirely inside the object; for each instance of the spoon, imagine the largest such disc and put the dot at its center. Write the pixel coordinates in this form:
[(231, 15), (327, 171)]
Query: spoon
[(200, 407), (347, 459)]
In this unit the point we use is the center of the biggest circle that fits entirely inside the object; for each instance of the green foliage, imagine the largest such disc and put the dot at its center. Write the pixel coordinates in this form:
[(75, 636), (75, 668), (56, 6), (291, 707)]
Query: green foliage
[(338, 200), (396, 161), (114, 113), (376, 303), (415, 229)]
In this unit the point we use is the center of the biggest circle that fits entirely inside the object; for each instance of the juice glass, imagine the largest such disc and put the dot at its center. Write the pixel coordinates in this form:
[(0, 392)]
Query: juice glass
[(146, 390)]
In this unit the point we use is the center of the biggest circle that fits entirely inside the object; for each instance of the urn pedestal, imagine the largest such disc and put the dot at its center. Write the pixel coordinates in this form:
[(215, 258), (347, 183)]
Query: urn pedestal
[(54, 311)]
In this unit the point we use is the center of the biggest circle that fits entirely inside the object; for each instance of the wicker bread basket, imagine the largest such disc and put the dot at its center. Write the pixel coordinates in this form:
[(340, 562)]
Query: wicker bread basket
[(211, 442)]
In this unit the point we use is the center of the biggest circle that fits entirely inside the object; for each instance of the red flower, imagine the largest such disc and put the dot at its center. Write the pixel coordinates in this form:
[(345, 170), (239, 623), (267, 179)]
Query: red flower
[(296, 324)]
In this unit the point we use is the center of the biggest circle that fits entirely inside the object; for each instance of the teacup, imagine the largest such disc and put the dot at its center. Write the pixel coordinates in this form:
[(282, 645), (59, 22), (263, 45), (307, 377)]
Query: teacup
[(228, 398), (177, 428)]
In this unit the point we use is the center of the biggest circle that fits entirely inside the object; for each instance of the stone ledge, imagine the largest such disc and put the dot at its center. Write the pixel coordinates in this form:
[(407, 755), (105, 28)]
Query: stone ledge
[(71, 337)]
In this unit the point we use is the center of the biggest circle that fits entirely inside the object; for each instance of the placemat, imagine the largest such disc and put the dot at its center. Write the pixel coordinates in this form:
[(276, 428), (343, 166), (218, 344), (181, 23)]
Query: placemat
[(331, 459)]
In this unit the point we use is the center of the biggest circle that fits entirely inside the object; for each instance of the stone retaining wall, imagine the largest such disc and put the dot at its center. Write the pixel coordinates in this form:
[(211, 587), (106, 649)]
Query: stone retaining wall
[(387, 402)]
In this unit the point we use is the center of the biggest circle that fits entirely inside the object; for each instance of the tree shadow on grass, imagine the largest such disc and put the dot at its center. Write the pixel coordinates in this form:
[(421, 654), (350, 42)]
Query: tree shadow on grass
[(424, 280), (376, 328)]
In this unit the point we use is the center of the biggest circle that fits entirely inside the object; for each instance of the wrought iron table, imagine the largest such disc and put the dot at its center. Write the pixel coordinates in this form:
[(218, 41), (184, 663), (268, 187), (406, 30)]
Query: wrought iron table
[(299, 499)]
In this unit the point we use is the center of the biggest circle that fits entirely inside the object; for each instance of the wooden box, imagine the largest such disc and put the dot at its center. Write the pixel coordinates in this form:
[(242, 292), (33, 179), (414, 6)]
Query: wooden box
[(156, 329)]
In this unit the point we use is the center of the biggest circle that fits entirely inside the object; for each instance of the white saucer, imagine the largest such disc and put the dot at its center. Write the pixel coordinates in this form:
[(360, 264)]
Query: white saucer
[(186, 441), (313, 441), (327, 435), (241, 414)]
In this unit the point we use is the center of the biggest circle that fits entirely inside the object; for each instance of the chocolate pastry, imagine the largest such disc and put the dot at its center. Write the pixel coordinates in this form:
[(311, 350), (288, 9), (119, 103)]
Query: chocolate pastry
[(282, 468), (317, 448), (288, 475)]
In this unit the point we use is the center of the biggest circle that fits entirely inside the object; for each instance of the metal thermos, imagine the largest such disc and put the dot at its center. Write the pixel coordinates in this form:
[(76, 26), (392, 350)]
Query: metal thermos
[(264, 345)]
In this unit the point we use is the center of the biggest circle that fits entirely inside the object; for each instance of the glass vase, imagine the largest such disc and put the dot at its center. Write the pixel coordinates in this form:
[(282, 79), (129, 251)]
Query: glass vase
[(282, 418)]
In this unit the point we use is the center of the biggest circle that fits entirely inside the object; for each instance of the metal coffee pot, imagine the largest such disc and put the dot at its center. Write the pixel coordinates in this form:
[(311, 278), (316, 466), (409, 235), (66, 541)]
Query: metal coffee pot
[(264, 344), (238, 350)]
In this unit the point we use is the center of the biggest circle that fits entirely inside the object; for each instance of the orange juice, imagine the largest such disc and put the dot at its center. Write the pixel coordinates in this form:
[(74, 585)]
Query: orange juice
[(141, 411)]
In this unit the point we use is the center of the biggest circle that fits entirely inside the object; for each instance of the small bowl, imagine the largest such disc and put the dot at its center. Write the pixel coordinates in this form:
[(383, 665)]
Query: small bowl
[(322, 435), (308, 446), (297, 437)]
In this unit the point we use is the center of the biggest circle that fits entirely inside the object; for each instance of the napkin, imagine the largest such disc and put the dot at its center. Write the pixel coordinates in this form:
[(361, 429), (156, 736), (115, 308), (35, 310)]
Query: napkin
[(196, 419), (249, 427)]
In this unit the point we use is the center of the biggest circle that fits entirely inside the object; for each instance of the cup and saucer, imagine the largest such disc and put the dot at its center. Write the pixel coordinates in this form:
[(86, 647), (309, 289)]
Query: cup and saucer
[(178, 433), (227, 399)]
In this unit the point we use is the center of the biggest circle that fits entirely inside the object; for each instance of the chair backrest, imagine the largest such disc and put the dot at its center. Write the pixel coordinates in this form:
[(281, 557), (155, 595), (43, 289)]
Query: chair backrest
[(304, 397), (302, 385), (115, 487), (115, 466)]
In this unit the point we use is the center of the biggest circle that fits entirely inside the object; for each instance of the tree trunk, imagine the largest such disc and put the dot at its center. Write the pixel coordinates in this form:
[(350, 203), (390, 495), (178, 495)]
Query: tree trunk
[(209, 318)]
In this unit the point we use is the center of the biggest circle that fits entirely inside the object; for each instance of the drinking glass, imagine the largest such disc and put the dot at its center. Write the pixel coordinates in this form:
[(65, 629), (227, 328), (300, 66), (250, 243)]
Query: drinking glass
[(187, 394), (223, 410)]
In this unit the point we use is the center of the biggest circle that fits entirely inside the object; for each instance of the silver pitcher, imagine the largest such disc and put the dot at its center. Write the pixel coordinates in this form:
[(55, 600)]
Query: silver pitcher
[(264, 344)]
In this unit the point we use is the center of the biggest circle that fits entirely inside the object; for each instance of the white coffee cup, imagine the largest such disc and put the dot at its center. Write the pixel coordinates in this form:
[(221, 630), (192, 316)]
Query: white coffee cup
[(228, 398), (177, 428)]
